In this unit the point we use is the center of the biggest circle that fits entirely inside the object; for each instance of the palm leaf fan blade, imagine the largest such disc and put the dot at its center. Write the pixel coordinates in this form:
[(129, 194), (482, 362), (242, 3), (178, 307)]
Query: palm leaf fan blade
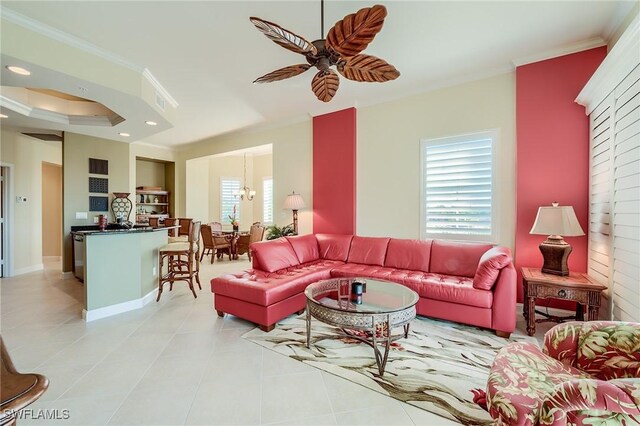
[(368, 68), (352, 34), (284, 38), (325, 85), (283, 73)]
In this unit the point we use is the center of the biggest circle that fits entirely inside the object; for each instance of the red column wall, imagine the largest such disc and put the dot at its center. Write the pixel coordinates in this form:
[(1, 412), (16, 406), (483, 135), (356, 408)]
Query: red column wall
[(552, 151), (334, 172)]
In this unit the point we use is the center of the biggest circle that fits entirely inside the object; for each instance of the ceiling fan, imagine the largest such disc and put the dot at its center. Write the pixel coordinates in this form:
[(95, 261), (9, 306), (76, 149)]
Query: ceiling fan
[(342, 47)]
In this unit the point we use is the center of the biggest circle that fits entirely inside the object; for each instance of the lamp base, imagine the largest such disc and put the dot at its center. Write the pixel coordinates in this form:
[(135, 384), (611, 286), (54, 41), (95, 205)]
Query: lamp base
[(555, 252)]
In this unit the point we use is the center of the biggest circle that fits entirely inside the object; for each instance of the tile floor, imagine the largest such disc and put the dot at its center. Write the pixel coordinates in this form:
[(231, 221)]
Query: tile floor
[(172, 363)]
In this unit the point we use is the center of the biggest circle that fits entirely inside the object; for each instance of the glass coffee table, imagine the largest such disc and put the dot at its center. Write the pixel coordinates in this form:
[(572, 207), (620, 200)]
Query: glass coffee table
[(366, 305)]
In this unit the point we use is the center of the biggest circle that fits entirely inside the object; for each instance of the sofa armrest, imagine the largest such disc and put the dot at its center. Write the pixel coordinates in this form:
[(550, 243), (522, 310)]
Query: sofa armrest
[(595, 398), (503, 310), (561, 342)]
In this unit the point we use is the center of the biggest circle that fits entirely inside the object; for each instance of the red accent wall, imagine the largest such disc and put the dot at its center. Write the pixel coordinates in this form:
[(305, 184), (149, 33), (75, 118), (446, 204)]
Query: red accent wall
[(334, 172), (552, 151)]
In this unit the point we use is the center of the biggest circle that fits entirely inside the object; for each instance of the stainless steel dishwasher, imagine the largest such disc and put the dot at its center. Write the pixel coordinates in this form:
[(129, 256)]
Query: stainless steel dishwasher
[(78, 255)]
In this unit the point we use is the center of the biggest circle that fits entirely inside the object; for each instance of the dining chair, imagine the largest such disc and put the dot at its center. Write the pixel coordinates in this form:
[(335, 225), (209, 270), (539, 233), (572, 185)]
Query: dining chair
[(216, 227), (17, 390), (154, 222), (171, 221), (256, 232), (214, 245), (185, 224), (183, 261)]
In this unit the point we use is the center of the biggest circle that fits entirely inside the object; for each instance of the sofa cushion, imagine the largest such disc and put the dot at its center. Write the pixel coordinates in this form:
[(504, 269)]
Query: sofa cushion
[(306, 247), (490, 265), (432, 286), (449, 288), (334, 246), (455, 258), (265, 289), (368, 250), (408, 254), (273, 255)]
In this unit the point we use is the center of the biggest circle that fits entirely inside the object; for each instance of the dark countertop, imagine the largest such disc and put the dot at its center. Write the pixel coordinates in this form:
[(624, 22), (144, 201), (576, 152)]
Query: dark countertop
[(123, 231)]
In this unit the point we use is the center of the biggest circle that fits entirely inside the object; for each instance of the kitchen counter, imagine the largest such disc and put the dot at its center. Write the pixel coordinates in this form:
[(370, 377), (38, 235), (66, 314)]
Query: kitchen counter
[(124, 231), (120, 269)]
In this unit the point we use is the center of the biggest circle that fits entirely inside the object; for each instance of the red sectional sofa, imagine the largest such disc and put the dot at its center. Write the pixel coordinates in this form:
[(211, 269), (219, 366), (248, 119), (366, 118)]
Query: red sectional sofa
[(469, 283)]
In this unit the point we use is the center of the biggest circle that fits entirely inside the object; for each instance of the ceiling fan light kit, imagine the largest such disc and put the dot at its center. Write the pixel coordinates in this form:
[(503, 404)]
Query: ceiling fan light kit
[(341, 49)]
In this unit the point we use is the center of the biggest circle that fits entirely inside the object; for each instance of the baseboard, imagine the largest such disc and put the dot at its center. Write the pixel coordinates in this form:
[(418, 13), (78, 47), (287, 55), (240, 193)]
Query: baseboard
[(108, 311), (51, 258), (67, 275), (28, 269)]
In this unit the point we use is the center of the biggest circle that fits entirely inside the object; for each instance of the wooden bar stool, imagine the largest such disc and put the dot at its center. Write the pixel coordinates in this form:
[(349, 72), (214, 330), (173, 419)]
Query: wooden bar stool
[(183, 261), (17, 390)]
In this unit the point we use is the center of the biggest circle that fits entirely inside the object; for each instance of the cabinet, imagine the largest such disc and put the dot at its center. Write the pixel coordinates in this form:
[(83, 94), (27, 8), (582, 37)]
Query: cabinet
[(151, 203), (612, 101)]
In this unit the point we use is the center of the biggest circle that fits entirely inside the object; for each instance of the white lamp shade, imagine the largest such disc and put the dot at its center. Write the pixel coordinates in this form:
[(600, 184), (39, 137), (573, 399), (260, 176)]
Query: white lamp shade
[(557, 220), (293, 202)]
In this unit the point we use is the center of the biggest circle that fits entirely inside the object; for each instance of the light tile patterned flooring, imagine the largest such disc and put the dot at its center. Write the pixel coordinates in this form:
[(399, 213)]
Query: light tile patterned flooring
[(172, 363)]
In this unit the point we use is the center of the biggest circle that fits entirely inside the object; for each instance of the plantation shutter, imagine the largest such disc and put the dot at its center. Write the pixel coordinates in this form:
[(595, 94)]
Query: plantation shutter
[(458, 187), (267, 201), (599, 258), (227, 199), (626, 199)]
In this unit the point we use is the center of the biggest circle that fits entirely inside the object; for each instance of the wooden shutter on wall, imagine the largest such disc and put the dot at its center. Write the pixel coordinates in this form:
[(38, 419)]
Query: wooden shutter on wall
[(612, 100), (626, 199), (600, 193)]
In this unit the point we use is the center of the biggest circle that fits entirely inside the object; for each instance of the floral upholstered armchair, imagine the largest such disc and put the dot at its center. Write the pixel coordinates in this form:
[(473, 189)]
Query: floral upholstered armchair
[(588, 373)]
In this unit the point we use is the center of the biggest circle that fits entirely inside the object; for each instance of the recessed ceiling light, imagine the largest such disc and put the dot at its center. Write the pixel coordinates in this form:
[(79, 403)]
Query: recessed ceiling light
[(126, 135), (18, 70), (4, 116), (151, 123)]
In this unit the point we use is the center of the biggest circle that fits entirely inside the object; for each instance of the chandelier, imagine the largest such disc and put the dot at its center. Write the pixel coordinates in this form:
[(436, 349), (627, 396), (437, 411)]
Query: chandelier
[(245, 191)]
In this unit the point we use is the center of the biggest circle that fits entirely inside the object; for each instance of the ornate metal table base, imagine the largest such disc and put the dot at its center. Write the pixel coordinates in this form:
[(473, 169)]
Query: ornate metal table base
[(366, 322)]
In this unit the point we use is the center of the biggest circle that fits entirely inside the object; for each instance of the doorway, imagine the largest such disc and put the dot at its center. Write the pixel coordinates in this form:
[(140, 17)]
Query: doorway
[(51, 210), (5, 194)]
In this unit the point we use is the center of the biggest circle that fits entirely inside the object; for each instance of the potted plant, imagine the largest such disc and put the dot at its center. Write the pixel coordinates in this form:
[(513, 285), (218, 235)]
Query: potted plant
[(274, 231), (233, 220)]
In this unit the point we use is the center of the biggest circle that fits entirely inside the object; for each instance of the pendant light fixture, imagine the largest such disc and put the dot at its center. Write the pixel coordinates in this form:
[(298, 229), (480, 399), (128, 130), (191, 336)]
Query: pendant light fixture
[(245, 191)]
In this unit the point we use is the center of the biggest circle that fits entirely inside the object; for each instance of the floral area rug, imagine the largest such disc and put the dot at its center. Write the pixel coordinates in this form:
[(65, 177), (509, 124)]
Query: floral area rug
[(437, 368)]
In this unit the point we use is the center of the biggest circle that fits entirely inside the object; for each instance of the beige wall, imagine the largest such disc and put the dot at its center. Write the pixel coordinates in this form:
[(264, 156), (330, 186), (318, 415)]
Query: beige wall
[(197, 190), (292, 164), (77, 149), (262, 167), (51, 209), (388, 152), (26, 154), (149, 173)]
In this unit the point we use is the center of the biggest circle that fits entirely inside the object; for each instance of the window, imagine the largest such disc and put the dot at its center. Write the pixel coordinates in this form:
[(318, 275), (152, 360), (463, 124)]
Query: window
[(267, 200), (227, 200), (457, 196)]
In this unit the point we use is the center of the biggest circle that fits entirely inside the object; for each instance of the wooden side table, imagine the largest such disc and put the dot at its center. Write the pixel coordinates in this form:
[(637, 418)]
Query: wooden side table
[(578, 287)]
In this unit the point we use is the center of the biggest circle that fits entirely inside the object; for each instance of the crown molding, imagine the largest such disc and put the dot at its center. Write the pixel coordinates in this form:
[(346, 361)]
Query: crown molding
[(561, 51), (66, 38), (161, 90), (80, 44), (29, 111), (150, 145), (620, 61)]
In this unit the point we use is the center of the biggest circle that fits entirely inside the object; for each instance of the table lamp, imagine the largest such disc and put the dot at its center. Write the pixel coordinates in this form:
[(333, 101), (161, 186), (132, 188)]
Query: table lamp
[(556, 222), (294, 202)]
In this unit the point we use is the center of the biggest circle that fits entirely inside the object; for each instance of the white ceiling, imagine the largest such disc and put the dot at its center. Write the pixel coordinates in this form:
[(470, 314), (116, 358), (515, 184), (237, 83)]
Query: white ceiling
[(207, 53)]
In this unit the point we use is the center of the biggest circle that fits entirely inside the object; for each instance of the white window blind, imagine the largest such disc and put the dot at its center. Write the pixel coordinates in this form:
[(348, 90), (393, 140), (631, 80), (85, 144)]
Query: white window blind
[(227, 200), (267, 200), (626, 198), (600, 193), (457, 195)]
